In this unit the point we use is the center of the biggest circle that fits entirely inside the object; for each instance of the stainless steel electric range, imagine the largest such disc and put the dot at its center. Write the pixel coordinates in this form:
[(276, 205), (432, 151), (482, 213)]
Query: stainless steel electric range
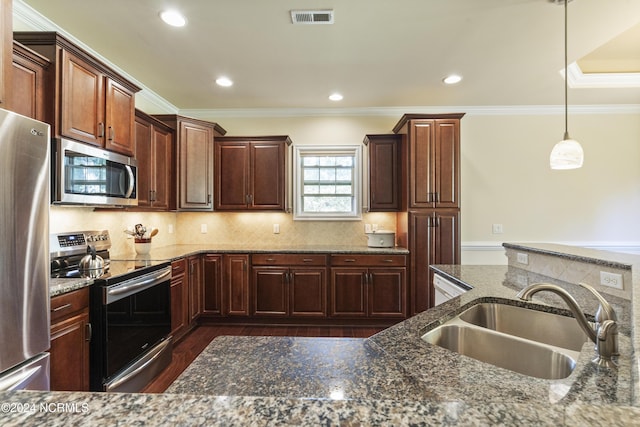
[(130, 310)]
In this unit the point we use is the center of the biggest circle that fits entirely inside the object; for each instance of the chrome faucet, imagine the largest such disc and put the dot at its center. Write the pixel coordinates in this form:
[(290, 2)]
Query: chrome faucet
[(605, 331)]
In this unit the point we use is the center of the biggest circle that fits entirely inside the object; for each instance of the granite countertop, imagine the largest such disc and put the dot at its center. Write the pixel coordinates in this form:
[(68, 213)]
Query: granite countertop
[(174, 252)]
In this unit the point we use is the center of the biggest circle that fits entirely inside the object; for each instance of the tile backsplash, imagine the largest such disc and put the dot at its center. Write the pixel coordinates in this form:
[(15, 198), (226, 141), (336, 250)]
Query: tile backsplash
[(251, 228)]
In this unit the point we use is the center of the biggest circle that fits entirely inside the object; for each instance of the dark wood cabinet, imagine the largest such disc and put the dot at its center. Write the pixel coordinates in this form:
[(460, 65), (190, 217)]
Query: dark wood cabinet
[(433, 159), (179, 299), (291, 285), (155, 154), (435, 239), (384, 172), (89, 101), (250, 173), (236, 284), (212, 273), (430, 174), (6, 26), (195, 288), (26, 96), (368, 286), (70, 341), (194, 152)]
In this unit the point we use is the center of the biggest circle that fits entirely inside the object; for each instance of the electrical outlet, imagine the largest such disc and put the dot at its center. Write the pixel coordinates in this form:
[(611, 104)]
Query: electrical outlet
[(497, 229), (170, 229), (367, 228), (522, 258), (276, 228), (203, 228), (611, 280)]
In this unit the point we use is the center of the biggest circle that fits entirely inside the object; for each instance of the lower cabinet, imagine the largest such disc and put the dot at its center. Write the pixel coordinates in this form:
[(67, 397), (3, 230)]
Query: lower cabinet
[(368, 286), (195, 288), (289, 285), (212, 285), (70, 338)]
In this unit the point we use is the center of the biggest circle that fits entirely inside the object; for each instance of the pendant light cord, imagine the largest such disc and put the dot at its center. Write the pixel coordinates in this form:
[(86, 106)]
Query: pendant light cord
[(566, 76)]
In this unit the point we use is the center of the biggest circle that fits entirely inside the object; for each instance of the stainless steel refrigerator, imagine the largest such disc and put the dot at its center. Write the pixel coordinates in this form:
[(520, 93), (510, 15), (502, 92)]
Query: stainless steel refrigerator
[(24, 252)]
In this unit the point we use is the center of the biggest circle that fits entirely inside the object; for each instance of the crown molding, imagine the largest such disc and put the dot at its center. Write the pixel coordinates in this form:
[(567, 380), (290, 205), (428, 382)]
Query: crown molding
[(578, 79)]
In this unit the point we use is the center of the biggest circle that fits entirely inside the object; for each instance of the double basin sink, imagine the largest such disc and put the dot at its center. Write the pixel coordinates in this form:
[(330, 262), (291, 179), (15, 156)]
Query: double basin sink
[(530, 342)]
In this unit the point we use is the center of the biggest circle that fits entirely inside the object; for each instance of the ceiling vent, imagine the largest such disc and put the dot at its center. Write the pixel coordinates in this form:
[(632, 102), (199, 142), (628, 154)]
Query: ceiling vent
[(312, 16)]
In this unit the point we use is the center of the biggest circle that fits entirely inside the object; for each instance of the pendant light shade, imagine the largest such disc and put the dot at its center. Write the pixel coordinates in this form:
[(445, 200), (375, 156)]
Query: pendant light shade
[(566, 154)]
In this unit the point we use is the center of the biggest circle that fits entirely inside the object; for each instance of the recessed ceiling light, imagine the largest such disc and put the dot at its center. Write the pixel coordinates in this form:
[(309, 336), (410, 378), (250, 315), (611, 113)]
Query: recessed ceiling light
[(173, 18), (224, 81), (452, 79), (336, 97)]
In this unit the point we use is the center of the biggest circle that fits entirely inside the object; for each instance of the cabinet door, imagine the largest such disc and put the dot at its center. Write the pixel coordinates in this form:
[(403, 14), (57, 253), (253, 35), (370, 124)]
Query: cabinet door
[(26, 96), (232, 175), (145, 159), (120, 107), (446, 237), (267, 179), (70, 353), (82, 109), (308, 292), (179, 309), (384, 175), (421, 177), (195, 151), (162, 169), (269, 289), (212, 284), (236, 274), (387, 294), (348, 292), (446, 160), (421, 249), (195, 288)]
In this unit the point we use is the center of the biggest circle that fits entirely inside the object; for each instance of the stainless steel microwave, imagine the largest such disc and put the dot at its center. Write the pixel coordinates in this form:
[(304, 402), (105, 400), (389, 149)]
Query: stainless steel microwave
[(91, 176)]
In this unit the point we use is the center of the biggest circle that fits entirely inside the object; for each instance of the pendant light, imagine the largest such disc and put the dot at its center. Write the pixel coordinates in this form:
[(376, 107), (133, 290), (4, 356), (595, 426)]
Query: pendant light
[(566, 154)]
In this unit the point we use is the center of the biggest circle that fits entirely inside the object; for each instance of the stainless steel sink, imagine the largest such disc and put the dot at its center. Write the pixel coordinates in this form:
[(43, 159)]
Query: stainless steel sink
[(547, 328), (505, 351), (530, 342)]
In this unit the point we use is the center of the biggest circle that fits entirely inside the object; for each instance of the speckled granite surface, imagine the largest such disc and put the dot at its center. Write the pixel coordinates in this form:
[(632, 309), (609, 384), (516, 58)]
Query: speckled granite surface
[(168, 253), (393, 378)]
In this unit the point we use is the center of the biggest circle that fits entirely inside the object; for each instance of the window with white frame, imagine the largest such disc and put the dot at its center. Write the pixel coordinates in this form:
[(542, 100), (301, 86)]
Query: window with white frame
[(327, 182)]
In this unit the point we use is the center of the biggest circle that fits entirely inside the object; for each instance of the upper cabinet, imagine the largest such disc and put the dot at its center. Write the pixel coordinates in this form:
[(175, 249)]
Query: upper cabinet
[(194, 152), (384, 172), (89, 101), (6, 24), (155, 154), (434, 159), (250, 173), (26, 96)]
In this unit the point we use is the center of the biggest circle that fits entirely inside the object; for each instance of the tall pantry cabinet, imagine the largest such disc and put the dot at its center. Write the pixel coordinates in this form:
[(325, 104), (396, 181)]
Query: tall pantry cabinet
[(429, 221)]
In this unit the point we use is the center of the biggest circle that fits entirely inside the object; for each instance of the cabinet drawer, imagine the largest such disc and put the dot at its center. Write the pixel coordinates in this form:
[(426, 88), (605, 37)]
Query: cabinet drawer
[(289, 259), (369, 260), (66, 304), (179, 267)]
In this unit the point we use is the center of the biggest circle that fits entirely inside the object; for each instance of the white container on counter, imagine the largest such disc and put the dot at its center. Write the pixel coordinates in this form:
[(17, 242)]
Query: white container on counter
[(381, 239)]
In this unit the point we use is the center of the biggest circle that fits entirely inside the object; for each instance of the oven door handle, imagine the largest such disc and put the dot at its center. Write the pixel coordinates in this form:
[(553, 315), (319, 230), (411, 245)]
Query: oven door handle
[(132, 288)]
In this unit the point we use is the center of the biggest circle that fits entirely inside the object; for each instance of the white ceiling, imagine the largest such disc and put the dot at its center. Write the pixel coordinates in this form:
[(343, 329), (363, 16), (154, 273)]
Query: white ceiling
[(379, 53)]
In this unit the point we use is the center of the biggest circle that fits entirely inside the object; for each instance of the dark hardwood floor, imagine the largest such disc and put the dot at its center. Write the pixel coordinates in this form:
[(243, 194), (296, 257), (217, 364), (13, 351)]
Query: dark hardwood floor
[(185, 351)]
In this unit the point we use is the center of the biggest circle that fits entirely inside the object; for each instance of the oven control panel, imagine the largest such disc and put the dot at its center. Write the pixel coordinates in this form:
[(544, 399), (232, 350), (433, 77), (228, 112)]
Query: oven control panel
[(76, 242)]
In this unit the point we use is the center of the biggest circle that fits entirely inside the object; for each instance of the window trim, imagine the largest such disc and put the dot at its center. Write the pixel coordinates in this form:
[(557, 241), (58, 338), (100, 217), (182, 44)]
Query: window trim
[(301, 150)]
